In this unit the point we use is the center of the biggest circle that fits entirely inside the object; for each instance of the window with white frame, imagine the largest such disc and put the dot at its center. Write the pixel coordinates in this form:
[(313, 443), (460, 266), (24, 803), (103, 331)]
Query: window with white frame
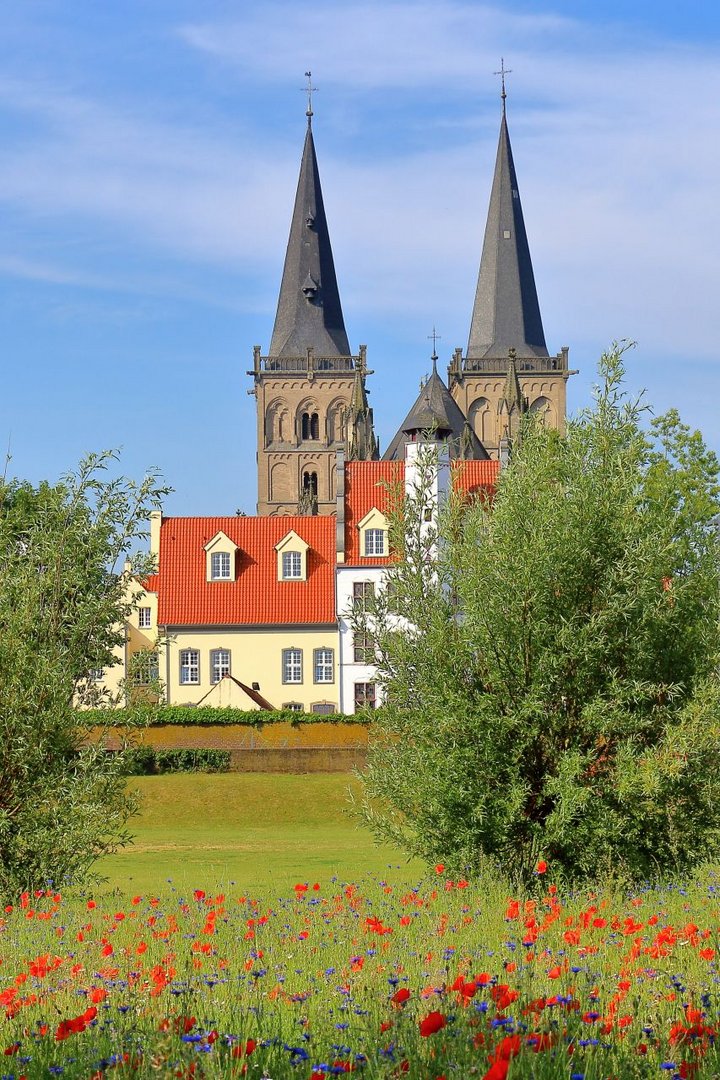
[(293, 706), (363, 595), (95, 675), (189, 667), (292, 666), (365, 695), (220, 566), (374, 542), (324, 666), (144, 618), (292, 568), (219, 664)]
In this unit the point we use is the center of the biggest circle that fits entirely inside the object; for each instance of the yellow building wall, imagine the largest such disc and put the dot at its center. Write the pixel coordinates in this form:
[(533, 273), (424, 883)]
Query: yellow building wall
[(255, 656)]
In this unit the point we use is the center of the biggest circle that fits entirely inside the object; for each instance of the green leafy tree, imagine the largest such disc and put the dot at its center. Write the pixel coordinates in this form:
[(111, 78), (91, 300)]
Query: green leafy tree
[(552, 679), (64, 592)]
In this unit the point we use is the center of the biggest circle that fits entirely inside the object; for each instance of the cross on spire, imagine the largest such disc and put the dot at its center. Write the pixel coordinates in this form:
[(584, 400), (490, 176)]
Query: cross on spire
[(434, 337), (503, 72), (309, 91)]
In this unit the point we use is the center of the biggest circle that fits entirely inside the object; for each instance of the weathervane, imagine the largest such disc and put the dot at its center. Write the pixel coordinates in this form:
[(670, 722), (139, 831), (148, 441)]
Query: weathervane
[(503, 72), (309, 91)]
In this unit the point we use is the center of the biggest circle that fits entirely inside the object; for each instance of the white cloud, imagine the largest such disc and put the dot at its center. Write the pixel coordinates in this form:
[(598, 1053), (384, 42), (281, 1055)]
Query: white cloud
[(617, 167)]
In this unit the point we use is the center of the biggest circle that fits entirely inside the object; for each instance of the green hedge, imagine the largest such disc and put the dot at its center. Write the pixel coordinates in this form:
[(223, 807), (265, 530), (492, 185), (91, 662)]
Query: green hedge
[(147, 761), (162, 715)]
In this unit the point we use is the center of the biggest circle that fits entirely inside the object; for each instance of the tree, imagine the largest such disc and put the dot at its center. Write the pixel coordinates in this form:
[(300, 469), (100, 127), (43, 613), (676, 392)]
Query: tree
[(64, 595), (552, 683)]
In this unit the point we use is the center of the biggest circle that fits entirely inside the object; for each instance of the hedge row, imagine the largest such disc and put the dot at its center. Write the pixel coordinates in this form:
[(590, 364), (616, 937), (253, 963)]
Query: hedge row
[(162, 715), (147, 761)]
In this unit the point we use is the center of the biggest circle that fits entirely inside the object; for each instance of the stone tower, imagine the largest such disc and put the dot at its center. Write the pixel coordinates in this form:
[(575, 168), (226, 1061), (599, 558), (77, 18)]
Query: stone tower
[(506, 348), (308, 388)]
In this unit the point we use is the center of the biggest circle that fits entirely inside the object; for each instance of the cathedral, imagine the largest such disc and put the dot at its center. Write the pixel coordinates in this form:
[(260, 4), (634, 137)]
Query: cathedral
[(310, 389), (256, 612)]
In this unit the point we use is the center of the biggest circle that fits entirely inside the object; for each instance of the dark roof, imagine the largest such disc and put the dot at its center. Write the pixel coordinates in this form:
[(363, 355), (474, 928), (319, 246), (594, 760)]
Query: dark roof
[(309, 314), (506, 314), (435, 411)]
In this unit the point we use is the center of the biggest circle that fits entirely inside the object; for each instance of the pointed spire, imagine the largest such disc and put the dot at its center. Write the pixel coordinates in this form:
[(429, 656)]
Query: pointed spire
[(512, 393), (309, 314), (361, 444), (506, 313), (435, 414), (513, 404)]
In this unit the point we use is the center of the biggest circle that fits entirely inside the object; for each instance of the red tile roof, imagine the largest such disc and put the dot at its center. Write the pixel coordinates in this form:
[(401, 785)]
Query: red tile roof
[(256, 597), (473, 476), (151, 583), (369, 484)]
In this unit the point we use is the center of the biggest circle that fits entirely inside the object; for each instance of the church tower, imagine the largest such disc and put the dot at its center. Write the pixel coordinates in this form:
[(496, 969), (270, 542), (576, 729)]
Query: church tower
[(309, 387), (507, 367)]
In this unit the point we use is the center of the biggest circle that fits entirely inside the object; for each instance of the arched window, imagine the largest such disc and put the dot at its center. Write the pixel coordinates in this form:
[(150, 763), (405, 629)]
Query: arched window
[(310, 483), (310, 426), (543, 408), (479, 417)]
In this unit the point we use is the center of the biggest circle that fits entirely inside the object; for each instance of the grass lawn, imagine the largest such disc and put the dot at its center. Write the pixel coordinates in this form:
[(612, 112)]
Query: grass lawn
[(263, 831)]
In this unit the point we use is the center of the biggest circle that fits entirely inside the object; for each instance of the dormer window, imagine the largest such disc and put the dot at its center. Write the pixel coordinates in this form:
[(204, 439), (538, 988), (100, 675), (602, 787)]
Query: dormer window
[(291, 565), (221, 558), (375, 542), (220, 566), (292, 557), (373, 531)]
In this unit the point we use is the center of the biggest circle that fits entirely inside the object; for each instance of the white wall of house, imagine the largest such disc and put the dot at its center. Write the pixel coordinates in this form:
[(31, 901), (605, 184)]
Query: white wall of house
[(351, 671)]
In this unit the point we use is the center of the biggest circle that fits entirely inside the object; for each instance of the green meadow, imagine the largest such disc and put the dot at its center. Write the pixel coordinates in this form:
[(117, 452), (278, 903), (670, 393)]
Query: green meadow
[(262, 831)]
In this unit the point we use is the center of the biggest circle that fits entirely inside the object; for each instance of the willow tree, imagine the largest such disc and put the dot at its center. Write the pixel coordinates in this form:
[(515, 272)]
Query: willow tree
[(552, 675)]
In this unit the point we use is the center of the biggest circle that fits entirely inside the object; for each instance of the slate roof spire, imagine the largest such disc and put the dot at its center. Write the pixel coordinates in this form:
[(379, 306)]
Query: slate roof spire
[(436, 415), (309, 314), (506, 313)]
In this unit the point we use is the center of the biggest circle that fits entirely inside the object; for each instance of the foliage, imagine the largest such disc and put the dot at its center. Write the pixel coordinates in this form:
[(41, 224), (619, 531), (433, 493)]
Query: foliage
[(552, 687), (167, 715), (385, 979), (64, 593), (149, 760)]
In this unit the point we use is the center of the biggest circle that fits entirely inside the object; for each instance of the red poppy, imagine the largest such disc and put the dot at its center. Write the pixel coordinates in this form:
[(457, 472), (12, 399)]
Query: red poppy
[(541, 867), (434, 1021), (400, 996)]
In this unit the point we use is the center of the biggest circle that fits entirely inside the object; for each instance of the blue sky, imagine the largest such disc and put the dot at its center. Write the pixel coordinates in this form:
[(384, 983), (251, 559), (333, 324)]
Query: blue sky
[(149, 160)]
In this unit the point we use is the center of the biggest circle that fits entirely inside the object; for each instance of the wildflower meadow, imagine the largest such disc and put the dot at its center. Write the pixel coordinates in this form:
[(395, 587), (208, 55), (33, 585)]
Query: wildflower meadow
[(435, 979)]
